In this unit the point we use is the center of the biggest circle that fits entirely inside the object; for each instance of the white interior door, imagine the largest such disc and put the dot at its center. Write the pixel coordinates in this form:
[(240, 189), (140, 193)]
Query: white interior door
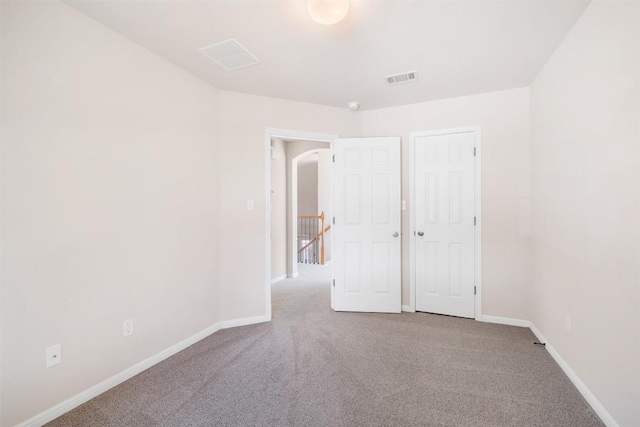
[(444, 223), (366, 201)]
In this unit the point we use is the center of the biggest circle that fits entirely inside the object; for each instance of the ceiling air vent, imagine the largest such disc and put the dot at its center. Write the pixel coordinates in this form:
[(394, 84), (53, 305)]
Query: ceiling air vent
[(229, 54), (407, 77)]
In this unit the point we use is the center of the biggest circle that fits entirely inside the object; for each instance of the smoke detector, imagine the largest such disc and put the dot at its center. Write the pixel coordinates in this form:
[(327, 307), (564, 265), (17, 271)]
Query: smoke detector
[(353, 106), (409, 76)]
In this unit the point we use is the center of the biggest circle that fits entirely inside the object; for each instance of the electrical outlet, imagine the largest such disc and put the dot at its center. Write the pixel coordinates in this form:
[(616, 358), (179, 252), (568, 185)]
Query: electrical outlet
[(567, 324), (53, 355), (127, 327)]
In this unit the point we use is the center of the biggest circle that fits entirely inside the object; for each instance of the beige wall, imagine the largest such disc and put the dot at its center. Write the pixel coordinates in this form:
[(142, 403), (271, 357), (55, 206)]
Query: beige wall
[(308, 185), (586, 195), (504, 117), (109, 204), (278, 215), (243, 120), (324, 195)]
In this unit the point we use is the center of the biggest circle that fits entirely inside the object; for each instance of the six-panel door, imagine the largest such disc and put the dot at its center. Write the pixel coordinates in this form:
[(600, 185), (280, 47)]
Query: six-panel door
[(366, 203), (444, 223)]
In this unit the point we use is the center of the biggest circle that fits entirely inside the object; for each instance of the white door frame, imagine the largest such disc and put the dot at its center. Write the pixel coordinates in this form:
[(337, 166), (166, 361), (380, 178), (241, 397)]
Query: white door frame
[(478, 214), (281, 134)]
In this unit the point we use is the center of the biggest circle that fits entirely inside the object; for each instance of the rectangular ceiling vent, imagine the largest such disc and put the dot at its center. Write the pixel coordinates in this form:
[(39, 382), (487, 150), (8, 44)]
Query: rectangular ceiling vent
[(407, 77), (230, 55)]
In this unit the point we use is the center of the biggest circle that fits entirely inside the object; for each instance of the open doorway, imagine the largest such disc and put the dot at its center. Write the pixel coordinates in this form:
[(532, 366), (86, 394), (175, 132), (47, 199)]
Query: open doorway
[(300, 205), (312, 185), (295, 158)]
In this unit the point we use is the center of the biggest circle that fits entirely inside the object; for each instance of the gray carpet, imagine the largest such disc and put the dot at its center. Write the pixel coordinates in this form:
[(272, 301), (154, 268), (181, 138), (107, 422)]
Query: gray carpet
[(311, 366)]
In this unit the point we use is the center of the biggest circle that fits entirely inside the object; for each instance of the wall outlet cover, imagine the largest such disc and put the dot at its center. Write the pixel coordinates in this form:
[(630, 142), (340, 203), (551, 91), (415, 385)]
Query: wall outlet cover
[(567, 324), (53, 355), (127, 327)]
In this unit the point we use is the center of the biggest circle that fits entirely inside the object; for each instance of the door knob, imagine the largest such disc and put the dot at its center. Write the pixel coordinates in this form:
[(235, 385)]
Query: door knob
[(420, 233), (396, 234)]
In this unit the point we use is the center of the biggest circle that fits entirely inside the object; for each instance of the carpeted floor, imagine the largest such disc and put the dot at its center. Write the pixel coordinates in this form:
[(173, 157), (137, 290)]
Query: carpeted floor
[(311, 366)]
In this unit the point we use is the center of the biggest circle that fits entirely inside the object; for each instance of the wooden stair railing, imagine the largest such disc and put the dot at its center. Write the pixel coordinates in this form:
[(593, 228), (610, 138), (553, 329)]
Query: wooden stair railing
[(306, 222), (318, 236)]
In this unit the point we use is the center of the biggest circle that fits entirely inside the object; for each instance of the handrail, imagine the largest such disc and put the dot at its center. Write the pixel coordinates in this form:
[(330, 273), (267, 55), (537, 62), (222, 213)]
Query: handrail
[(314, 239), (320, 236)]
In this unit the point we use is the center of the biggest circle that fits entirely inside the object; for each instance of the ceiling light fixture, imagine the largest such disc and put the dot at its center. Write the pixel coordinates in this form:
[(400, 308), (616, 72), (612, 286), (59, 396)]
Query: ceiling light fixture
[(328, 12)]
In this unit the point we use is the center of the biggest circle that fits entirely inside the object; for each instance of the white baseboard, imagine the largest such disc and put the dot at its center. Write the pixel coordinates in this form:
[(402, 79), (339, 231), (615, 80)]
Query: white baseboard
[(604, 415), (278, 279), (82, 397), (407, 308), (243, 322), (600, 410), (505, 321), (292, 276)]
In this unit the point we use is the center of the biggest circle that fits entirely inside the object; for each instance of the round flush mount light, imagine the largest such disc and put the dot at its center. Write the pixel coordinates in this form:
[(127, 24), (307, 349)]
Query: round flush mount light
[(328, 12), (353, 106)]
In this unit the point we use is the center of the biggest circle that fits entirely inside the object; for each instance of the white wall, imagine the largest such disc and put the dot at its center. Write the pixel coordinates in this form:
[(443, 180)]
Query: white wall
[(504, 117), (278, 210), (109, 204), (586, 194), (243, 121)]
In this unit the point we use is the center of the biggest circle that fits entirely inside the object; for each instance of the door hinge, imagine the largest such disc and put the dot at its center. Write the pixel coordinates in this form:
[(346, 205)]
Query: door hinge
[(334, 220), (334, 158), (474, 151), (334, 283), (474, 220), (474, 290)]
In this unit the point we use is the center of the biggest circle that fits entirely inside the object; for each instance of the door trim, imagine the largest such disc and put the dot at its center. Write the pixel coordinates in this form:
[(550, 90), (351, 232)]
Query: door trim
[(477, 130), (282, 134)]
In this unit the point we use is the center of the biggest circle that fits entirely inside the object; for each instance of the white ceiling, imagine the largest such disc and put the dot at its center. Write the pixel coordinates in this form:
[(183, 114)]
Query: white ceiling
[(459, 47)]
